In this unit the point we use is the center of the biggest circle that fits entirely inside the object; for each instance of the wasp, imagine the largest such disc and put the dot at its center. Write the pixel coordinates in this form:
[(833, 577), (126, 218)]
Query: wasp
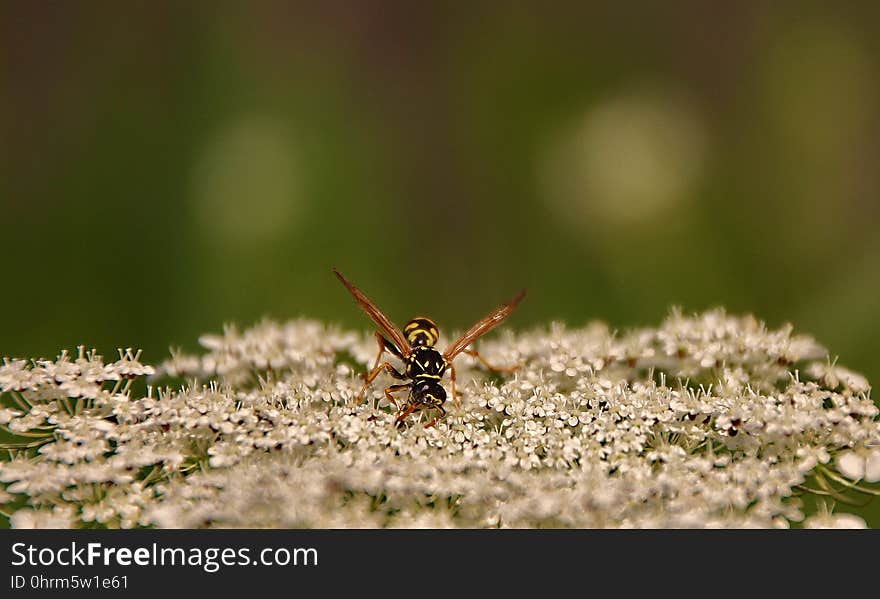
[(424, 366)]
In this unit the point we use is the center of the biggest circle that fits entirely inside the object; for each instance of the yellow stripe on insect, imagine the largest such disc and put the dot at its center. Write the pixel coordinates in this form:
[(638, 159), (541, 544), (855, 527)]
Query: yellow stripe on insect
[(421, 327)]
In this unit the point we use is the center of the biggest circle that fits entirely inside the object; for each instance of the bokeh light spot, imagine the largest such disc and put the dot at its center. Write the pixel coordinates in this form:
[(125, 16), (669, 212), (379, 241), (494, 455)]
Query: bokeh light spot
[(247, 186), (625, 161)]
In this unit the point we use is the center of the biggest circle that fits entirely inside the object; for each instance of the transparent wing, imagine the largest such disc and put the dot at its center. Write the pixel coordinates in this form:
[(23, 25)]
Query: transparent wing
[(489, 322), (397, 337)]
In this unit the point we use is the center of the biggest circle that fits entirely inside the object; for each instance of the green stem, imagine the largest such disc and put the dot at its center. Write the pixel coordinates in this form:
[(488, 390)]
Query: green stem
[(27, 434), (19, 400), (19, 446), (854, 485)]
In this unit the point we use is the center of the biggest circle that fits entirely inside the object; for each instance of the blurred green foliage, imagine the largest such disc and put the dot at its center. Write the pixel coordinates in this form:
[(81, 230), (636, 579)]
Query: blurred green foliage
[(166, 168)]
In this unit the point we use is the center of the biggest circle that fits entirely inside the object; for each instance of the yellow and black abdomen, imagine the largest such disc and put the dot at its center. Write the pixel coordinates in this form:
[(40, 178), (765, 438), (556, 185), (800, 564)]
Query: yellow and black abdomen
[(421, 332), (428, 392)]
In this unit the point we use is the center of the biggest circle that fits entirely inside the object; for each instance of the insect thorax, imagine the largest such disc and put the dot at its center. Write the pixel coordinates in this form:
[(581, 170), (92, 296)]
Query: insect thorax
[(425, 363)]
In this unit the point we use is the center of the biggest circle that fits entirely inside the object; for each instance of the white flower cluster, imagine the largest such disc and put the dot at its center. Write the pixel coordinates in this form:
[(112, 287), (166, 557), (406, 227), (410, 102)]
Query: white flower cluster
[(705, 421)]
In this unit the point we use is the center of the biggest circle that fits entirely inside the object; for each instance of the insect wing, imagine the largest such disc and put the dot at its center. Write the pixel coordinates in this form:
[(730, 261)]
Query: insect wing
[(489, 322), (397, 337)]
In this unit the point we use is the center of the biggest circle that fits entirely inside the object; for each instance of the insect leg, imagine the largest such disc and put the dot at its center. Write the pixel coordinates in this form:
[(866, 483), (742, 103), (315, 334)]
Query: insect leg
[(394, 389), (384, 345), (403, 413), (452, 376), (474, 353), (378, 369), (440, 417)]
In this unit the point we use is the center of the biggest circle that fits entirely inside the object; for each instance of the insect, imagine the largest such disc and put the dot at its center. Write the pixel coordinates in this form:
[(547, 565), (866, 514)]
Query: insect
[(424, 366)]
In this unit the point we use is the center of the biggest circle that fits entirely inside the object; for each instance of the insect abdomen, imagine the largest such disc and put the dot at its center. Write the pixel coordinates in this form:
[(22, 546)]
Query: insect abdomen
[(421, 332)]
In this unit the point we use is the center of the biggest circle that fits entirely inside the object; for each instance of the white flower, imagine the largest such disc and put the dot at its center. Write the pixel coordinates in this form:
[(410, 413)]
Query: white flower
[(59, 517), (128, 365), (7, 415), (860, 464), (15, 375), (701, 422), (833, 376), (835, 521)]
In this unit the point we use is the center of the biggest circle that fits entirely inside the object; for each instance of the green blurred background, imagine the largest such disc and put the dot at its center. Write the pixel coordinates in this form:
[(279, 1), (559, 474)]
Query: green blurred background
[(167, 168)]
